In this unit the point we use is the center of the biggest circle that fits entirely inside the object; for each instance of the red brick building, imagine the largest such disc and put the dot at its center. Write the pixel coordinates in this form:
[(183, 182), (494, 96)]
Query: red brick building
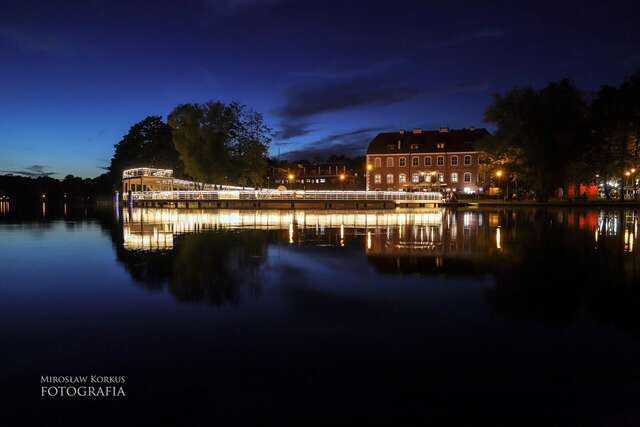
[(444, 159)]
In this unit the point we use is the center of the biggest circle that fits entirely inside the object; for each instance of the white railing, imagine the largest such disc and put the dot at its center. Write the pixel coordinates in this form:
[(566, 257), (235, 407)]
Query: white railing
[(292, 195), (193, 185)]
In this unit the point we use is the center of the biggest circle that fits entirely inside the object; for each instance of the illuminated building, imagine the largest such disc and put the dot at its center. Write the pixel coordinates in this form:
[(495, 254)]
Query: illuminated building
[(444, 159)]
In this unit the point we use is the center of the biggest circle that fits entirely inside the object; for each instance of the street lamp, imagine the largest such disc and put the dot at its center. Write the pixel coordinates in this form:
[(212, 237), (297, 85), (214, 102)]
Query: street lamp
[(499, 176)]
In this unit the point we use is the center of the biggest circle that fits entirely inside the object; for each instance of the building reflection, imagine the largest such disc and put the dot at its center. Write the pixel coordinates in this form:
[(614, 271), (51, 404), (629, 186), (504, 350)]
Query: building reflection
[(539, 263)]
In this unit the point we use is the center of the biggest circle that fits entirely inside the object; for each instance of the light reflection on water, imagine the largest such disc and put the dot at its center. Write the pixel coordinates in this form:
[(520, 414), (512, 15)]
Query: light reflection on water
[(402, 299)]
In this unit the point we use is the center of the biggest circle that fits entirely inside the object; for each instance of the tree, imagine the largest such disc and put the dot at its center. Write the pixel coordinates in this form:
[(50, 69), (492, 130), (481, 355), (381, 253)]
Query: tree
[(147, 144), (616, 131), (539, 133), (221, 143)]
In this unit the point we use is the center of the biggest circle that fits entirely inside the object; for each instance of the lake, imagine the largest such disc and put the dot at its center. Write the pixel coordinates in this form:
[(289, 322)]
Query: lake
[(514, 316)]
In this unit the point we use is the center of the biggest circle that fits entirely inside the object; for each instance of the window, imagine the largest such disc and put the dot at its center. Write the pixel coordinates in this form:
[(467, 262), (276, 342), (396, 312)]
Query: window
[(427, 161), (440, 145), (454, 177), (454, 160), (467, 177), (389, 179), (440, 177), (415, 161), (467, 160), (389, 162), (402, 162), (391, 147), (377, 162), (427, 178), (414, 146), (377, 178), (440, 160), (402, 179), (415, 178)]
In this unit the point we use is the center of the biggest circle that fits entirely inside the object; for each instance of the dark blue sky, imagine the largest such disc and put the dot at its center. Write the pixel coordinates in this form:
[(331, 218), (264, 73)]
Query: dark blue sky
[(75, 75)]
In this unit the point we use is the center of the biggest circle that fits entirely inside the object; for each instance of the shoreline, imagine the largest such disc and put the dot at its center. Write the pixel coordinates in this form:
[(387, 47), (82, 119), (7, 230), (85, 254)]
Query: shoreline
[(553, 203)]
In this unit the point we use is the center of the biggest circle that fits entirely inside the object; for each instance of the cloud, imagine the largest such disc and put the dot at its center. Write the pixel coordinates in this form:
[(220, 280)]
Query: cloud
[(292, 129), (470, 86), (350, 144), (33, 171), (37, 42), (302, 101)]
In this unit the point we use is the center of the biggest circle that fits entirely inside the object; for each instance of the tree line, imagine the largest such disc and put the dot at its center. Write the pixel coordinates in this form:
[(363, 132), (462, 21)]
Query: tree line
[(557, 135), (212, 142)]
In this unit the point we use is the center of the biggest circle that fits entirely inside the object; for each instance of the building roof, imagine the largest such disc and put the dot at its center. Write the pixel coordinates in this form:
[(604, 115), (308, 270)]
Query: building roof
[(426, 141)]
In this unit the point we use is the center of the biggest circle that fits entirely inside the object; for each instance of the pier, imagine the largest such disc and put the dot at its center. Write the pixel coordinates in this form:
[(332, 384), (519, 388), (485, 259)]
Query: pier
[(287, 199)]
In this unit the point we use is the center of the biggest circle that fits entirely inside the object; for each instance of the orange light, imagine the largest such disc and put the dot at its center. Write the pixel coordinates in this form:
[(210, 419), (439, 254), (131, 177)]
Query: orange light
[(369, 167), (627, 173), (341, 177), (290, 176), (633, 170), (498, 173)]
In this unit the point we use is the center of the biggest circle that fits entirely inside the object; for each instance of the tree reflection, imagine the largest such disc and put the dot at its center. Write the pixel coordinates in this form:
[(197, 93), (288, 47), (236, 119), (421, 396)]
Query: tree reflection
[(552, 265), (215, 266)]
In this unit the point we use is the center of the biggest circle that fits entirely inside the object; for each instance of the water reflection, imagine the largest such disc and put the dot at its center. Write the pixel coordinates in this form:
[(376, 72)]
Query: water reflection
[(547, 264)]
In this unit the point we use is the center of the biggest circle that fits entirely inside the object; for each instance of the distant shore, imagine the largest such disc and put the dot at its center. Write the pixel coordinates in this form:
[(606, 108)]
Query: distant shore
[(553, 203)]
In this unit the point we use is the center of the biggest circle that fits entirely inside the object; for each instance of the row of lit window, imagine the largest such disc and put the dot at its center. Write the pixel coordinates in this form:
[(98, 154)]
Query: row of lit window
[(415, 161), (415, 178)]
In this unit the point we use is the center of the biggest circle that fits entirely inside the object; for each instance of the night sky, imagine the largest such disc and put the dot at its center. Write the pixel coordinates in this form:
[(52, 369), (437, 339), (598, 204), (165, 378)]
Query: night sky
[(74, 76)]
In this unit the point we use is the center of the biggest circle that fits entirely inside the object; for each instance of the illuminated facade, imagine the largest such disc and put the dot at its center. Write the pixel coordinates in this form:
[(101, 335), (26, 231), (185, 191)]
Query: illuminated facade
[(444, 159), (147, 179)]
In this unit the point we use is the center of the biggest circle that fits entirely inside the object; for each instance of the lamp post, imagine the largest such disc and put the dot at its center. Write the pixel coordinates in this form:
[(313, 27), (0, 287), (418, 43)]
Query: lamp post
[(342, 181), (366, 177), (499, 177), (291, 177)]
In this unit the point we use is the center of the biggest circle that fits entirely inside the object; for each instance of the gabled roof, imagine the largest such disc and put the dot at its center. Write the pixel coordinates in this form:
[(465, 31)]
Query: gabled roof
[(426, 141)]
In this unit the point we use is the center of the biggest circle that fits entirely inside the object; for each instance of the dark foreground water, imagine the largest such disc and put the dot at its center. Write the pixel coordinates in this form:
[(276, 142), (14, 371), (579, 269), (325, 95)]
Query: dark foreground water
[(223, 317)]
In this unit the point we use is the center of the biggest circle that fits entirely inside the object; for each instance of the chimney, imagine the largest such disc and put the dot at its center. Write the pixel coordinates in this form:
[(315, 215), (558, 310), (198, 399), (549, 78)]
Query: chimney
[(401, 131), (417, 131), (444, 130)]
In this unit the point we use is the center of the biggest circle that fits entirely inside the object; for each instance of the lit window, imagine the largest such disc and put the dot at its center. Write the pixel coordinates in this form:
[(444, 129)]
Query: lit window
[(414, 146), (454, 160), (427, 178), (389, 162), (389, 179), (440, 177), (415, 161), (402, 162), (440, 160), (467, 177), (377, 179), (402, 179), (440, 145), (415, 178), (467, 160), (454, 177), (377, 162)]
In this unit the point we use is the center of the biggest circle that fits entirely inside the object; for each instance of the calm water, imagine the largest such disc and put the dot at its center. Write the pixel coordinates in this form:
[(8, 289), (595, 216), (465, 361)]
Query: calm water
[(514, 316)]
